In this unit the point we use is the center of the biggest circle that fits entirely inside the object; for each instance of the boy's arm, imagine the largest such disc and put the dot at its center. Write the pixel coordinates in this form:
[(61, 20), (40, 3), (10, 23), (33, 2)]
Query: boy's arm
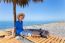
[(13, 32), (11, 36)]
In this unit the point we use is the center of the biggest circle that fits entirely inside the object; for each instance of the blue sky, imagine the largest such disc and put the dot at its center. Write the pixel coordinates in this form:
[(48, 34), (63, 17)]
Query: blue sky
[(49, 10)]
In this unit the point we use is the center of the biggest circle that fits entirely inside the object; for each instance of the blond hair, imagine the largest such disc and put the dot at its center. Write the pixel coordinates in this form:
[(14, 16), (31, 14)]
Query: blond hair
[(21, 14)]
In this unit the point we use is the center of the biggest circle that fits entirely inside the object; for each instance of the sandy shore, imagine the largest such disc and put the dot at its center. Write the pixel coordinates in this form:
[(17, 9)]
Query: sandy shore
[(57, 28)]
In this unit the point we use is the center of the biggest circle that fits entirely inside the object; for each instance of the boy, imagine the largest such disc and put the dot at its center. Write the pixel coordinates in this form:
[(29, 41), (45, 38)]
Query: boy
[(19, 31), (18, 26)]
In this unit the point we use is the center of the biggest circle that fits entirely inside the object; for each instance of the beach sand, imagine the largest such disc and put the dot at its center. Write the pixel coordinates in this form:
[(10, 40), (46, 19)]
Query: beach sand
[(57, 28)]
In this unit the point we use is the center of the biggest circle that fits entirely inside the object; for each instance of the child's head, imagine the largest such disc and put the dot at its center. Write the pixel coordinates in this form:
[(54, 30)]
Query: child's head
[(21, 16)]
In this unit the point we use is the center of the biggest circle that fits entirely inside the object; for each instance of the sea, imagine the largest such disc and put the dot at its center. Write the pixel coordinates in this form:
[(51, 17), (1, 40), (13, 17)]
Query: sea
[(10, 24)]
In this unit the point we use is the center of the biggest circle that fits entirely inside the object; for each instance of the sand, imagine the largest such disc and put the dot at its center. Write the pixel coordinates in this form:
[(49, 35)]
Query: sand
[(57, 28)]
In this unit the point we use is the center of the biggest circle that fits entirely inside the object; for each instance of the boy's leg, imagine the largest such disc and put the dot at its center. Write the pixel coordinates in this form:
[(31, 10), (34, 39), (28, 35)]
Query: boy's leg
[(18, 37), (23, 33), (26, 33)]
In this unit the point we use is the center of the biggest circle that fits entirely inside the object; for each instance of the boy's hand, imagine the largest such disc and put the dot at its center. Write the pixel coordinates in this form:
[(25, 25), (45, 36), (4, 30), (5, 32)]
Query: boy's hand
[(13, 32), (9, 37)]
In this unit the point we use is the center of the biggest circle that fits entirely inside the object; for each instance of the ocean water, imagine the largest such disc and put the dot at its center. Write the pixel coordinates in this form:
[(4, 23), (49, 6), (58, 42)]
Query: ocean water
[(4, 25), (9, 24)]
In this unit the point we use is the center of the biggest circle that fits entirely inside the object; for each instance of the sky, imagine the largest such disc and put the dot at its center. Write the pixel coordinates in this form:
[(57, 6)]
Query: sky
[(49, 10)]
